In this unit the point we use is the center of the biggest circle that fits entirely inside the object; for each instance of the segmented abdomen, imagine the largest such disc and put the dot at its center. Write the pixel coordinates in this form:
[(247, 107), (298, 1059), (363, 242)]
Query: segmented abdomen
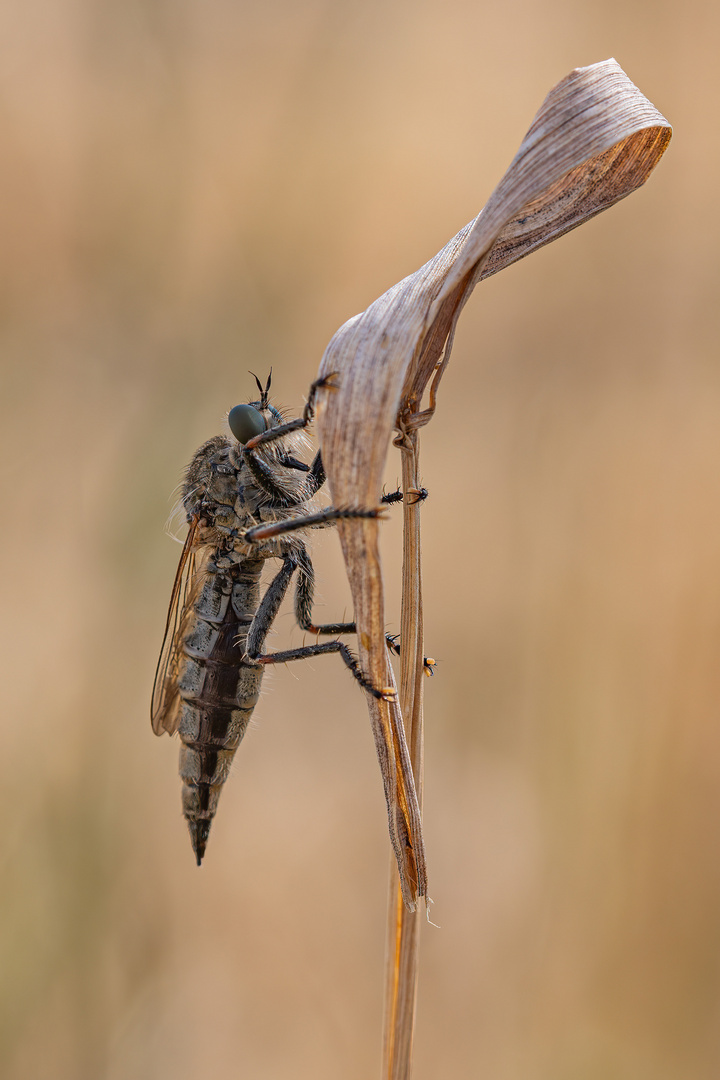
[(218, 690)]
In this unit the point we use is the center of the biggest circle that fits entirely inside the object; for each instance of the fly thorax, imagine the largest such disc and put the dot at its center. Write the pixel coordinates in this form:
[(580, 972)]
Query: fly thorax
[(222, 485), (224, 516), (248, 502)]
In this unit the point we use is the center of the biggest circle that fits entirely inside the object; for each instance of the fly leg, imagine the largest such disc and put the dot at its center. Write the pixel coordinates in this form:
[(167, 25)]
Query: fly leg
[(293, 425), (304, 595), (305, 652), (264, 616), (263, 474), (317, 476), (268, 608), (306, 521), (257, 533), (269, 480), (303, 611)]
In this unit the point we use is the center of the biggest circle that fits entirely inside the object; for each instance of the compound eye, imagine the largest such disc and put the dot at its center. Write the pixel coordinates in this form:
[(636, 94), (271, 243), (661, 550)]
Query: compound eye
[(246, 422)]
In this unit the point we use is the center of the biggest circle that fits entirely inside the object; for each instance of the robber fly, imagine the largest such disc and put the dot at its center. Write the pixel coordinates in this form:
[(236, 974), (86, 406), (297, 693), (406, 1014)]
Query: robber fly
[(247, 499)]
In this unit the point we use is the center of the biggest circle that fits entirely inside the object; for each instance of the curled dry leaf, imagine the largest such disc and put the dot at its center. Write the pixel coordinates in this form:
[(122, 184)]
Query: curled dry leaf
[(594, 141)]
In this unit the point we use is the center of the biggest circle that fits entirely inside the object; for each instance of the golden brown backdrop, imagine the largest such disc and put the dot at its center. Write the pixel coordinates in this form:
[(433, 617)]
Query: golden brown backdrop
[(193, 188)]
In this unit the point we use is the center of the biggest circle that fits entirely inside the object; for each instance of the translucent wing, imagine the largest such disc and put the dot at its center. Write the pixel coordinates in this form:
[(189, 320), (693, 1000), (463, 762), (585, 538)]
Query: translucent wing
[(165, 708)]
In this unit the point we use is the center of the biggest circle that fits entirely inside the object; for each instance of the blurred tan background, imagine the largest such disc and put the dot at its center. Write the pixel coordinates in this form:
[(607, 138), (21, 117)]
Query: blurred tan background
[(189, 189)]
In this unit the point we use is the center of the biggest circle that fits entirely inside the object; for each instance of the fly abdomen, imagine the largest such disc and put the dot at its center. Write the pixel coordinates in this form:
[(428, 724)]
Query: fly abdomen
[(206, 727), (218, 691)]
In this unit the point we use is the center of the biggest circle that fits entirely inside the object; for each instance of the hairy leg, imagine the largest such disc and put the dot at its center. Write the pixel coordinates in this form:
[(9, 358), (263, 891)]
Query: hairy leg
[(266, 613)]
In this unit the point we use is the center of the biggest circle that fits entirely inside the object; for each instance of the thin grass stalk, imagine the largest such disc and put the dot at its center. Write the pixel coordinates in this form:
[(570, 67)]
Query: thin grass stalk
[(403, 926)]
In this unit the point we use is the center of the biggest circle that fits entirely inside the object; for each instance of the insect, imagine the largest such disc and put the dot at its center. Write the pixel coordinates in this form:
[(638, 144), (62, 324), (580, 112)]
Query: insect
[(247, 499)]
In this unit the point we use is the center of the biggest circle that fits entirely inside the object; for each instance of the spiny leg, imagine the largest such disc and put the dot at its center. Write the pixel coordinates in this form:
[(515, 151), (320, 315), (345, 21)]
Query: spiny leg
[(263, 474), (268, 607), (266, 613), (304, 596), (293, 425), (267, 478), (387, 693), (279, 528), (270, 481), (257, 533), (304, 593)]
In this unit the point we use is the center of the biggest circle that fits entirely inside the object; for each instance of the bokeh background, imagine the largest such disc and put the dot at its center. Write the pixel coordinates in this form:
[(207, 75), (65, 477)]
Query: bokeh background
[(189, 189)]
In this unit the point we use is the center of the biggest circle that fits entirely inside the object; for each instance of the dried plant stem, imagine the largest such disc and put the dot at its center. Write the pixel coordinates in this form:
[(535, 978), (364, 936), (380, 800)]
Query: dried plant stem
[(403, 926), (594, 140)]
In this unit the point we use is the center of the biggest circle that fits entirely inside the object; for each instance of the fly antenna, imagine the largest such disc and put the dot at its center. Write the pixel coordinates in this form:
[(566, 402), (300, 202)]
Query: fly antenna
[(263, 393)]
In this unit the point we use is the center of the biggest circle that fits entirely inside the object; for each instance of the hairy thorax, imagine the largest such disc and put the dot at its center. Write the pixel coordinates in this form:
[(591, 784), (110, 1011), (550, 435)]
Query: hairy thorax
[(222, 493)]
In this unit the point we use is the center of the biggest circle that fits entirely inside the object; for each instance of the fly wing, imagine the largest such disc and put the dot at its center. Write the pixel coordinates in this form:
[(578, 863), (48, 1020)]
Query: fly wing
[(165, 708)]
